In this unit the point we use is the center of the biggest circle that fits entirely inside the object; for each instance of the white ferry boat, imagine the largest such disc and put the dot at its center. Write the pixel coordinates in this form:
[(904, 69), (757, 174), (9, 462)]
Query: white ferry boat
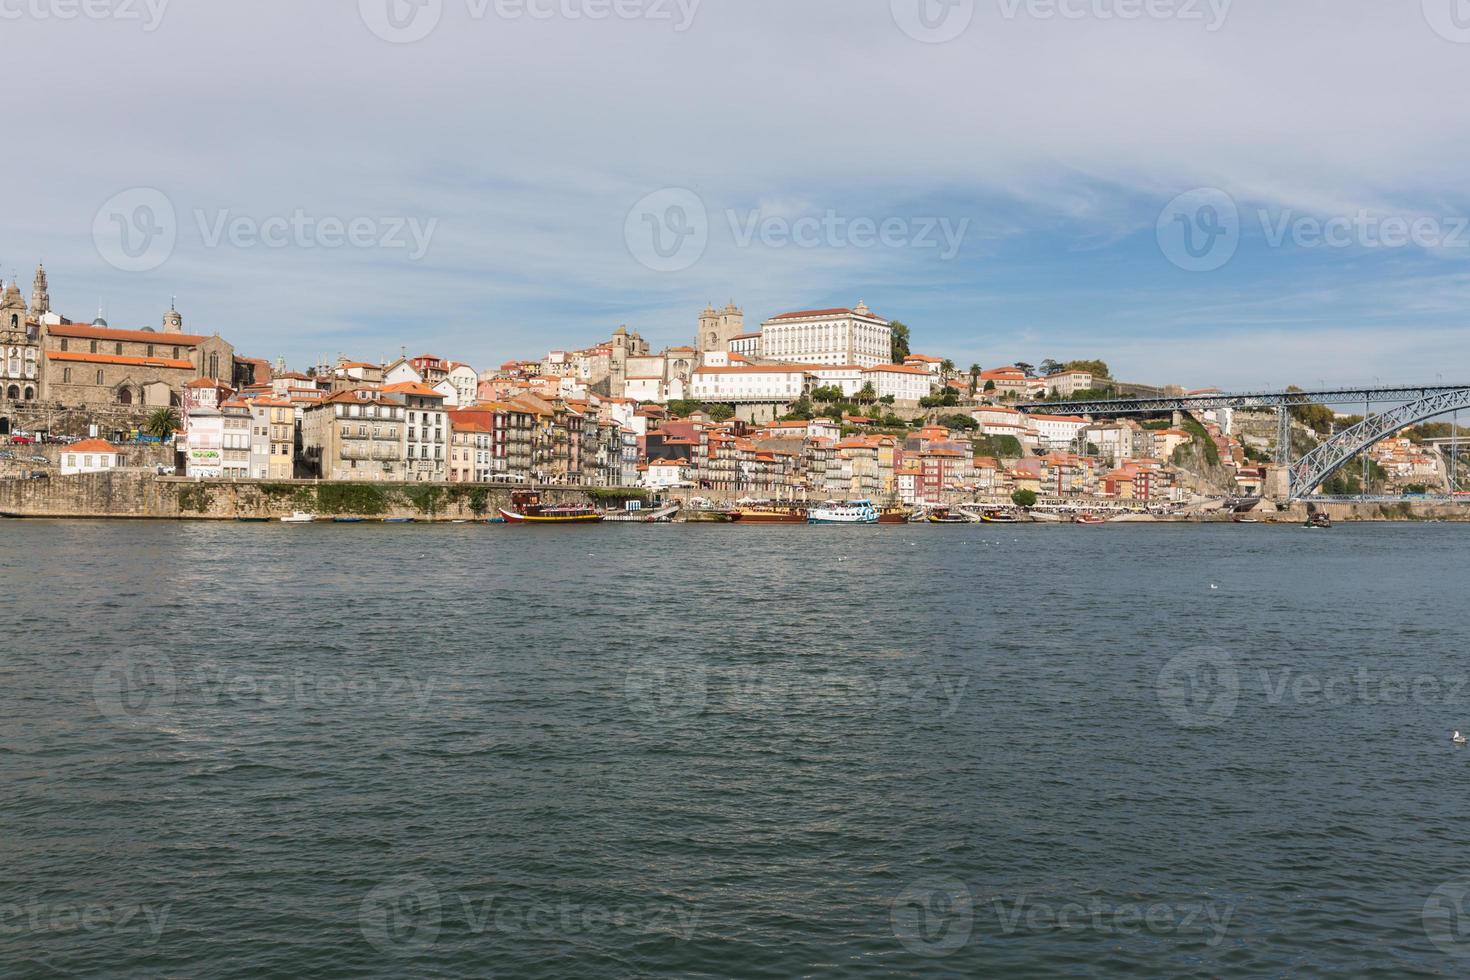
[(851, 512)]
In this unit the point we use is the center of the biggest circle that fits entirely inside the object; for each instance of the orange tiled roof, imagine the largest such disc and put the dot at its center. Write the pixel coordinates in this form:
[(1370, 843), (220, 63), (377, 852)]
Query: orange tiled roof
[(92, 446), (164, 362)]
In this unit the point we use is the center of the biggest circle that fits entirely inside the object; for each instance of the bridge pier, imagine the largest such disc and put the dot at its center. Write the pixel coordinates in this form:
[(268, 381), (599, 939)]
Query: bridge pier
[(1277, 487)]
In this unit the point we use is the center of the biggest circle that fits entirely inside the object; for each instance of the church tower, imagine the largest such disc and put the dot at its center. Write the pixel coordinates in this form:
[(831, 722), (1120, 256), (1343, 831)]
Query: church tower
[(40, 298), (173, 320), (12, 307), (708, 338), (718, 328)]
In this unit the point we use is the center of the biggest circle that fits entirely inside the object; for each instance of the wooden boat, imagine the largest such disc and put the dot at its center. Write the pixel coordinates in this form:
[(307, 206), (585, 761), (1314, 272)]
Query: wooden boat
[(526, 508), (253, 520), (399, 520), (1319, 519), (768, 512), (299, 517), (1090, 519), (347, 520), (999, 517), (894, 515), (943, 515), (1241, 519)]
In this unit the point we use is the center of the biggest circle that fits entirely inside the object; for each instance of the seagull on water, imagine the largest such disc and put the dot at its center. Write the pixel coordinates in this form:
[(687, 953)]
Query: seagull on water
[(1457, 738)]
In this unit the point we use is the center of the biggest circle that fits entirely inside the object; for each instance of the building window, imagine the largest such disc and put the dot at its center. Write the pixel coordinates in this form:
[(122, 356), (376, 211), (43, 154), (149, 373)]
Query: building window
[(150, 350), (66, 376), (99, 377), (63, 343), (214, 365), (94, 347), (118, 345), (176, 353)]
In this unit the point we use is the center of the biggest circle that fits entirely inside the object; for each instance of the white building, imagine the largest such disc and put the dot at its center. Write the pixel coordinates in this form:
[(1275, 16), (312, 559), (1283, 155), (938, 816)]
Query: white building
[(90, 456), (1065, 384), (755, 383), (1057, 431), (905, 382), (848, 377), (747, 345), (664, 474), (836, 336), (466, 382)]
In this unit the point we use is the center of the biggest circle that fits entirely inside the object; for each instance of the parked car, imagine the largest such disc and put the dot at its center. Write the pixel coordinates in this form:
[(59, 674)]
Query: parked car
[(40, 459), (22, 441), (6, 454), (40, 475)]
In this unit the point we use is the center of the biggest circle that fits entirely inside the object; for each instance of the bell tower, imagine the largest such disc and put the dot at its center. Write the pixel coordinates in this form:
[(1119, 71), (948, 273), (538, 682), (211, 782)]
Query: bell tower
[(40, 298), (173, 320)]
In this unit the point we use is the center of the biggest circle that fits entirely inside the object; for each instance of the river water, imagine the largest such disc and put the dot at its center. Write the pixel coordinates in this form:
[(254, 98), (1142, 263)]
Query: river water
[(340, 751)]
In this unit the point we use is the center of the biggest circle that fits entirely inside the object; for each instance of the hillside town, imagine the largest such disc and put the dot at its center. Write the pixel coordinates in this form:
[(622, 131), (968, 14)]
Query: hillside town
[(811, 404)]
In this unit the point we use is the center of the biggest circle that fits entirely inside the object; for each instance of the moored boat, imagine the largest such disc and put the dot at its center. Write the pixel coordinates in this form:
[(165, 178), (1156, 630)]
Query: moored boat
[(299, 517), (999, 517), (253, 520), (851, 512), (943, 515), (1091, 519), (659, 515), (1318, 519), (894, 515), (768, 512), (348, 520), (526, 508)]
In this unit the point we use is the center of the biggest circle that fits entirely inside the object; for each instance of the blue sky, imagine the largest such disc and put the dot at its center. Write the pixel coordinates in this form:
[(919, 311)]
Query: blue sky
[(501, 173)]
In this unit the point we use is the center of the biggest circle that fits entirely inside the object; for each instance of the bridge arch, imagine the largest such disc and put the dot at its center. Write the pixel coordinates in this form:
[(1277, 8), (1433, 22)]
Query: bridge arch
[(1317, 466)]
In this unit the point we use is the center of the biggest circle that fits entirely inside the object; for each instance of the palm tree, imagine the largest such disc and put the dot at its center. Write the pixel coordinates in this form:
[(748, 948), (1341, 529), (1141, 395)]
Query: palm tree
[(946, 368), (162, 423), (974, 378)]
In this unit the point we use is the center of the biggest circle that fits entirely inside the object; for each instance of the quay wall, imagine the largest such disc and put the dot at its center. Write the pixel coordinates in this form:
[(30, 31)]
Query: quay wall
[(139, 494), (142, 495)]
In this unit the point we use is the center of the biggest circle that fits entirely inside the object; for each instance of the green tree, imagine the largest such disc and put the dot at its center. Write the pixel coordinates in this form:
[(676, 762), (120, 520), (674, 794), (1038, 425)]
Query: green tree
[(1026, 369), (721, 413), (1024, 498), (946, 368), (1050, 366), (1098, 369), (867, 394), (162, 423), (974, 379), (887, 399), (900, 341), (989, 386)]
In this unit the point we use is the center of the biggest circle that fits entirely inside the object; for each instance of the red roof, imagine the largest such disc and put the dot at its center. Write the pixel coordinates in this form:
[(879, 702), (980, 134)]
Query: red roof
[(93, 446), (837, 311), (56, 355), (89, 332)]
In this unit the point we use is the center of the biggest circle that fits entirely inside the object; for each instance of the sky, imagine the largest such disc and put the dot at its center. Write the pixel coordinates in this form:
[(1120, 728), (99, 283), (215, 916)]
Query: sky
[(1240, 194)]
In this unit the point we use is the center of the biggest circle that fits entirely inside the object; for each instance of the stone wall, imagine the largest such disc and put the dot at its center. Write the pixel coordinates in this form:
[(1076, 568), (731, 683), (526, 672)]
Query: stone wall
[(143, 495)]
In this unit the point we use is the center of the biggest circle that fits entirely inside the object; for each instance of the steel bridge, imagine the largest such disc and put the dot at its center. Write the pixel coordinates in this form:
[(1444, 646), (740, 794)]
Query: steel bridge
[(1409, 405)]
